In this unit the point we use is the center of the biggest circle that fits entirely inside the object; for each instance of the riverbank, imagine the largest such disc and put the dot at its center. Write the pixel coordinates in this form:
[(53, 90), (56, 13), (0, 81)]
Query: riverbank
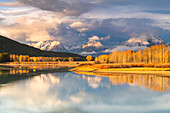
[(100, 68), (44, 65), (10, 74), (12, 71)]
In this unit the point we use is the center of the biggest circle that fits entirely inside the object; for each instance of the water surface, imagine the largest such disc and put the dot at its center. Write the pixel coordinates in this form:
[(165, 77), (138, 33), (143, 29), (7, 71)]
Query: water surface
[(68, 92)]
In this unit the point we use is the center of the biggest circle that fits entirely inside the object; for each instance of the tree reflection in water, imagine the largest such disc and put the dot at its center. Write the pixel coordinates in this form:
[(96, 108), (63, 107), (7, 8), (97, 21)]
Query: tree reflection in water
[(82, 93)]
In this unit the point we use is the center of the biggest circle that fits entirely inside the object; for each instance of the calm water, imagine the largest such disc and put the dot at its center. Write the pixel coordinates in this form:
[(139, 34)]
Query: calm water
[(68, 92)]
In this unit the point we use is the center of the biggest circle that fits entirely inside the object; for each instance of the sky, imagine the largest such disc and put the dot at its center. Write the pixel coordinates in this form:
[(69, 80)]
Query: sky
[(75, 21)]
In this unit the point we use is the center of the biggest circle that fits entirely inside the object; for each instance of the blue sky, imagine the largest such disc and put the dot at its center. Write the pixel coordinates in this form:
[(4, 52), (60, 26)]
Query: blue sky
[(75, 21), (6, 0)]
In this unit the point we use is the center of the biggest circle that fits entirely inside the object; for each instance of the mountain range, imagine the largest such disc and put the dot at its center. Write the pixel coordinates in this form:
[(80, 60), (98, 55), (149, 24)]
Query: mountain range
[(13, 47), (89, 47), (57, 49), (97, 48), (49, 46), (136, 43)]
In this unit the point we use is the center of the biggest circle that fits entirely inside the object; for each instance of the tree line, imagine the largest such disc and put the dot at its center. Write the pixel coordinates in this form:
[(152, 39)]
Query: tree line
[(153, 54), (26, 58)]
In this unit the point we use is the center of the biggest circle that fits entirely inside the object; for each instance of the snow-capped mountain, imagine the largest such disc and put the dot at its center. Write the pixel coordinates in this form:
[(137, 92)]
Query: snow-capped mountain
[(49, 46), (141, 42), (95, 47), (96, 44), (91, 47)]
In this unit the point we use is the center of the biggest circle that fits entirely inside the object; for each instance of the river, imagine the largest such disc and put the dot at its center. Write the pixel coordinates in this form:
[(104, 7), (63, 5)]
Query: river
[(69, 92)]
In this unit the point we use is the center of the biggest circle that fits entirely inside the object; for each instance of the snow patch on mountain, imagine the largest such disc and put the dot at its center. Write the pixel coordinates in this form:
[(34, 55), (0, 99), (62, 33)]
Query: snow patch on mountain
[(96, 44), (49, 46)]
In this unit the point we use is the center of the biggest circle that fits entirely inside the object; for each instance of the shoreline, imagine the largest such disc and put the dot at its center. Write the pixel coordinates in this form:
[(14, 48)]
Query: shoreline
[(9, 74), (83, 67), (131, 70), (158, 73)]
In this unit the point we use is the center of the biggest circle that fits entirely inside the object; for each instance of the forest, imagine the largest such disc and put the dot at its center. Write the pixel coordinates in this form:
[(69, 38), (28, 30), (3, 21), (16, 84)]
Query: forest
[(153, 54)]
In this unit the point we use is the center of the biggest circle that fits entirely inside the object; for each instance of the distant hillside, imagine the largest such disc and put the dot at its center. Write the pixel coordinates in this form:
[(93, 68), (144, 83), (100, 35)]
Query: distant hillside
[(13, 47)]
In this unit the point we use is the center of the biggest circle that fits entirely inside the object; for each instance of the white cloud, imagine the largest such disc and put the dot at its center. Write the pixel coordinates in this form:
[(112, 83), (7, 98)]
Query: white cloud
[(31, 26), (80, 26), (95, 38), (10, 4), (77, 25)]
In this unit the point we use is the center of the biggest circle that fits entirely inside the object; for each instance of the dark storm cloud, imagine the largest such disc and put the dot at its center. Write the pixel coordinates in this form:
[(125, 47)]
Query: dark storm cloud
[(63, 7), (118, 30), (65, 34)]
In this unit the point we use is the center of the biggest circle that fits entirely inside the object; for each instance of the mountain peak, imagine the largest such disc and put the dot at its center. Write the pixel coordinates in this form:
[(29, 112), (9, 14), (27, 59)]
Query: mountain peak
[(140, 42), (143, 40), (93, 44), (49, 46)]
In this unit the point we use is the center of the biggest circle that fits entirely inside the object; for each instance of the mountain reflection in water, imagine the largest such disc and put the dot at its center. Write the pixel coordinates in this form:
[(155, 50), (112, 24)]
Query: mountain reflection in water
[(68, 92)]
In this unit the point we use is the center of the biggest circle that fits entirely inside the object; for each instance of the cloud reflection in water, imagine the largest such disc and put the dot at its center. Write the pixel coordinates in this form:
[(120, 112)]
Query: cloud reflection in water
[(70, 92)]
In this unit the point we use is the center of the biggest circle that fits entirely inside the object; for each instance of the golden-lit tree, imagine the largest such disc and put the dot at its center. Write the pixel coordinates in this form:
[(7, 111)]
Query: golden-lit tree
[(89, 58), (145, 56), (166, 54), (34, 59), (70, 59), (103, 58)]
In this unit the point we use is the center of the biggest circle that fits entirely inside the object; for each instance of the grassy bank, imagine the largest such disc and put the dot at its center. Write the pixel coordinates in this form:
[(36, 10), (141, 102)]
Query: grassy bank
[(162, 69), (47, 64)]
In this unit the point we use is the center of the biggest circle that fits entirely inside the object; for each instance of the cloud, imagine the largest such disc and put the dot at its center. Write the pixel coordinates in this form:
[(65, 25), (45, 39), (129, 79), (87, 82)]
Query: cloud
[(62, 8), (74, 21), (1, 19), (77, 24), (32, 24), (33, 30), (10, 4), (80, 26), (37, 25), (95, 38)]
